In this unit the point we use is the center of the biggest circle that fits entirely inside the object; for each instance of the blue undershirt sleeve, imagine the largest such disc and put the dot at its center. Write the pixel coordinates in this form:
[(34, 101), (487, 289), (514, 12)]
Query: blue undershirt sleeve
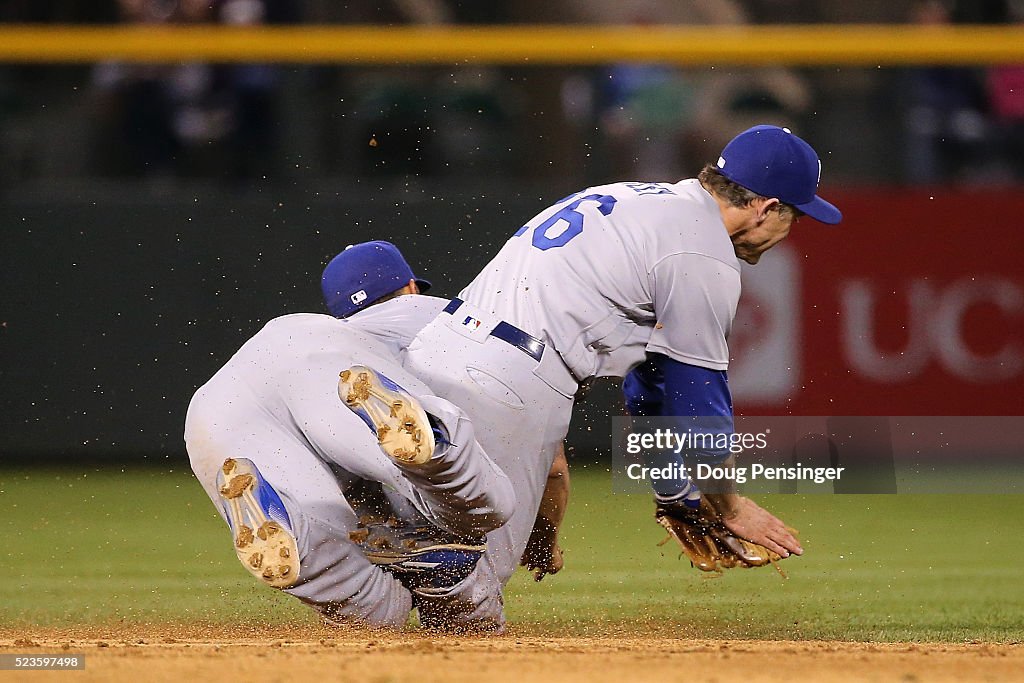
[(700, 400), (690, 390), (644, 390)]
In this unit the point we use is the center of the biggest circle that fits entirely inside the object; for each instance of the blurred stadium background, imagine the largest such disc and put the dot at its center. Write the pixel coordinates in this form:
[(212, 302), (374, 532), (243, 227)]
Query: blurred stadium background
[(156, 214)]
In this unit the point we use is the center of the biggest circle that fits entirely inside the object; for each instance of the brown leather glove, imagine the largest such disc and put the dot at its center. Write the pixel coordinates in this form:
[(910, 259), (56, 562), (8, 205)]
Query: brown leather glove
[(710, 546)]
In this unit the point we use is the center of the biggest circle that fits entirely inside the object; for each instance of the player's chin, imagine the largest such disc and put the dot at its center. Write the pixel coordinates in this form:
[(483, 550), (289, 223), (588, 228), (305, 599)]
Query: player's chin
[(752, 259)]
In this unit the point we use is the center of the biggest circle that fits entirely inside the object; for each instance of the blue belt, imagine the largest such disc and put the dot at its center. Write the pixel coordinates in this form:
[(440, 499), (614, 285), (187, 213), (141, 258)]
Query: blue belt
[(530, 345)]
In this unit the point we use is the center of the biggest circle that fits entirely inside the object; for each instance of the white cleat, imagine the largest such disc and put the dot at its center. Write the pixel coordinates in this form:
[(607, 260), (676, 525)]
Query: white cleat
[(264, 541), (400, 423)]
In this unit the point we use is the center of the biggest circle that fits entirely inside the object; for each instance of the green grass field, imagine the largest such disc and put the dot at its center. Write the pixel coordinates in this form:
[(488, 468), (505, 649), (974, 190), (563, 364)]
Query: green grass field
[(112, 546)]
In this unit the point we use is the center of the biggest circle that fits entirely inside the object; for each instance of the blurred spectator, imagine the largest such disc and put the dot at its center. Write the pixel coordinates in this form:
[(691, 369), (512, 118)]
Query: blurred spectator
[(734, 100), (646, 110), (252, 92), (24, 134), (790, 11), (1005, 90), (1006, 96), (948, 135), (190, 119), (411, 122), (658, 120)]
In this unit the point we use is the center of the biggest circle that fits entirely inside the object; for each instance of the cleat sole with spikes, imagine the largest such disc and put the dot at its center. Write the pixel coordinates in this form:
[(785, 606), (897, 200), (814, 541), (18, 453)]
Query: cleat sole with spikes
[(400, 423), (265, 547)]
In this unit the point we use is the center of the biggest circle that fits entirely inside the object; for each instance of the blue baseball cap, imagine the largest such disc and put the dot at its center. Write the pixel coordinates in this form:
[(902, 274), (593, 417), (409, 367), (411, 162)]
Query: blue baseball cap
[(364, 273), (773, 162)]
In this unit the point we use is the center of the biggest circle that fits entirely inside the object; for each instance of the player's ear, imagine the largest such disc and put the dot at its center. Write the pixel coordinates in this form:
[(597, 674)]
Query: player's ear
[(413, 287), (765, 206)]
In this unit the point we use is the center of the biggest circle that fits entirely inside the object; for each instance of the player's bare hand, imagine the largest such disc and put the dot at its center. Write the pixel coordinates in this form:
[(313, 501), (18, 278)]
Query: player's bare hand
[(542, 557), (749, 520)]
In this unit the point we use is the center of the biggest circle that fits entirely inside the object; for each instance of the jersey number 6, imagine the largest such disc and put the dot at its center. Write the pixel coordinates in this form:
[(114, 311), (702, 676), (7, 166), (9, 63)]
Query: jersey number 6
[(573, 221)]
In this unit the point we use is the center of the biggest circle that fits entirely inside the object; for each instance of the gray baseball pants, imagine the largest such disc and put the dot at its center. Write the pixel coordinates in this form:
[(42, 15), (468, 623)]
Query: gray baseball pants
[(311, 448), (521, 407)]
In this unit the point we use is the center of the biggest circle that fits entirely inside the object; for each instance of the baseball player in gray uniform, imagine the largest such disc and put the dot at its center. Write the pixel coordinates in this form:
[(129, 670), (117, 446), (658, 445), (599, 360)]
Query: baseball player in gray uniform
[(632, 279), (293, 471)]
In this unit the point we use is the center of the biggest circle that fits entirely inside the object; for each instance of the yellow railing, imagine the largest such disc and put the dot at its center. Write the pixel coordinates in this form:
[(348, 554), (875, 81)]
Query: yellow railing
[(823, 45)]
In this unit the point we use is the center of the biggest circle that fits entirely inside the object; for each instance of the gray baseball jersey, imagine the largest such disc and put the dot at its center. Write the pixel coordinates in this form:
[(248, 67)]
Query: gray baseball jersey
[(616, 271), (275, 403), (602, 278)]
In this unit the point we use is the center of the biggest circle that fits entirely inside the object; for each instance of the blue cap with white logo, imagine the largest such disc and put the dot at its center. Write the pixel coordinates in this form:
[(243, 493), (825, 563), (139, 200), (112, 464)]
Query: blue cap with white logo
[(364, 273), (773, 162)]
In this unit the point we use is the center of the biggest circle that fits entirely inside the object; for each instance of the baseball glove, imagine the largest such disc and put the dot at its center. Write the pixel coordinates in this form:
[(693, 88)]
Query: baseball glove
[(706, 540)]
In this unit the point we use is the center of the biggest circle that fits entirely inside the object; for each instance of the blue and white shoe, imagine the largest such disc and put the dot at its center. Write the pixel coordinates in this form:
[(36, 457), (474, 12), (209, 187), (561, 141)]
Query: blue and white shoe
[(264, 541), (689, 496), (435, 571), (402, 427), (426, 559)]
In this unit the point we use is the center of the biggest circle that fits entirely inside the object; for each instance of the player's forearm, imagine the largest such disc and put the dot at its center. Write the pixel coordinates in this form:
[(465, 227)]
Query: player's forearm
[(542, 554), (556, 497), (721, 492)]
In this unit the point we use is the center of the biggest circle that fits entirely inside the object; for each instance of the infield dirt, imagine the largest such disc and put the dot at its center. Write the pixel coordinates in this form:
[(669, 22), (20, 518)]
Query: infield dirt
[(174, 652)]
